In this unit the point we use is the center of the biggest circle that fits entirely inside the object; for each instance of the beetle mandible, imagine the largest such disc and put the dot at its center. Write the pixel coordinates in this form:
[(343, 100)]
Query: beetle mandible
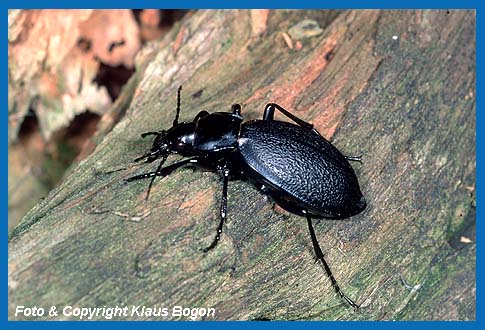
[(292, 163)]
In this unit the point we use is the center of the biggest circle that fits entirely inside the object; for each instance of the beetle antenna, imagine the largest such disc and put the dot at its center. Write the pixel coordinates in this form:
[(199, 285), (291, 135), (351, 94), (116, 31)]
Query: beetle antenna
[(176, 120)]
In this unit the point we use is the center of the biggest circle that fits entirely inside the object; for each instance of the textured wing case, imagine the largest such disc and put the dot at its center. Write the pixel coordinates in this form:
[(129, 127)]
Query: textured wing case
[(303, 164)]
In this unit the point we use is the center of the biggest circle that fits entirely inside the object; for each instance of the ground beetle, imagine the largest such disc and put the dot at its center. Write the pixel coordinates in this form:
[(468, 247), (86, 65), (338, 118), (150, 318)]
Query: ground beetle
[(304, 173)]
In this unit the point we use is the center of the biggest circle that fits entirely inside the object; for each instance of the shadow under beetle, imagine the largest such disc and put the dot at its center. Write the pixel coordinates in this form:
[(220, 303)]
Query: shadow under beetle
[(304, 173)]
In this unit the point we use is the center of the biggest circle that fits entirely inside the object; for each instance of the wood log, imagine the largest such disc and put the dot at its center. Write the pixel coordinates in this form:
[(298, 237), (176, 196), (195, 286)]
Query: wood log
[(397, 87)]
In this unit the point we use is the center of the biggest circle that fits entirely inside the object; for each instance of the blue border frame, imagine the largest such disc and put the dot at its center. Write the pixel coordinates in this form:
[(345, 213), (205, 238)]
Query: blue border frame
[(182, 4), (304, 325), (411, 4)]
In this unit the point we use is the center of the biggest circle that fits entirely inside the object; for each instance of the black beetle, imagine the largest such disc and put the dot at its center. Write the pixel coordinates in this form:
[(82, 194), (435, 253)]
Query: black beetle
[(294, 164)]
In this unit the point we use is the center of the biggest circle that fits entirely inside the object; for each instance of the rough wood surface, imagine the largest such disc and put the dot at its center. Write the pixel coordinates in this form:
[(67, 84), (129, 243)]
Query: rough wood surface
[(407, 104)]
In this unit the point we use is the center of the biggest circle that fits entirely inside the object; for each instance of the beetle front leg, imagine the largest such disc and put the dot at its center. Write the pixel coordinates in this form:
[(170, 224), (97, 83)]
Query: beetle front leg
[(162, 172), (144, 135), (223, 210), (320, 256)]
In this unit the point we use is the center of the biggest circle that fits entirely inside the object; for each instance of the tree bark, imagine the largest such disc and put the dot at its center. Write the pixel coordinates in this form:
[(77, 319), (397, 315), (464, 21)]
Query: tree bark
[(397, 87)]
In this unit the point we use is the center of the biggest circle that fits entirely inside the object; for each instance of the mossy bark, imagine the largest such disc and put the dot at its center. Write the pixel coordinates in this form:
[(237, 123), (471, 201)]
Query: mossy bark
[(397, 87)]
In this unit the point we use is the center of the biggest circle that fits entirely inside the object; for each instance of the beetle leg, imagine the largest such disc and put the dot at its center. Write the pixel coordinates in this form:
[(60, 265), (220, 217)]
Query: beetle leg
[(320, 256), (269, 115), (354, 158), (223, 210), (162, 172), (143, 135), (236, 109)]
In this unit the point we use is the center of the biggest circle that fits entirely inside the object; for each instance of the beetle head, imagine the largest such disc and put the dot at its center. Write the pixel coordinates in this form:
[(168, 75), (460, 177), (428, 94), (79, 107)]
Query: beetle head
[(160, 147), (171, 141), (178, 139)]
